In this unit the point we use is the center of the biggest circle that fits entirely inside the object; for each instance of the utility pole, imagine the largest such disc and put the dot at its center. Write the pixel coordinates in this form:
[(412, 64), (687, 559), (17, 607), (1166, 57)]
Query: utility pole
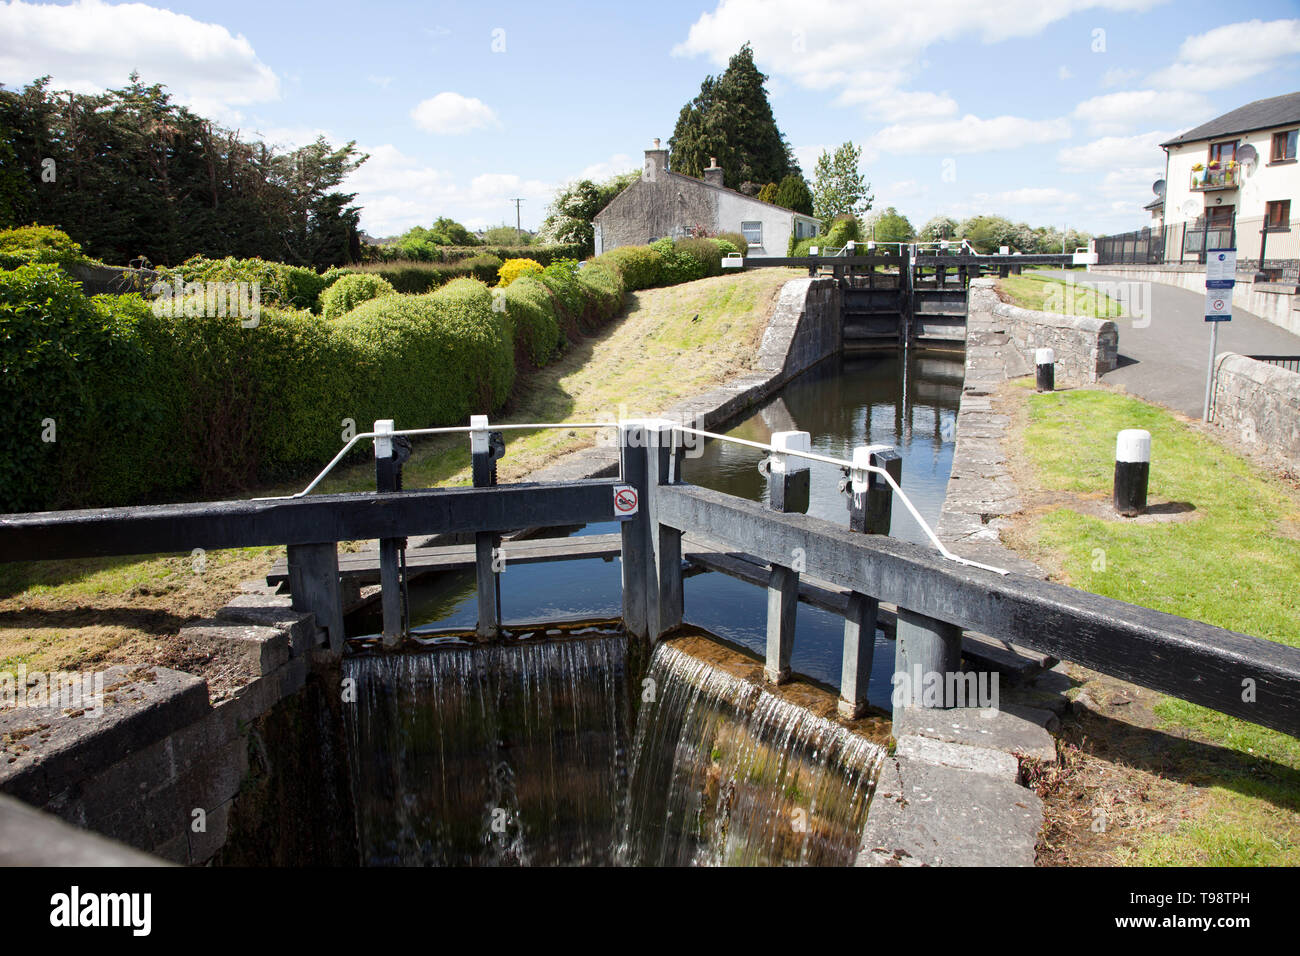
[(519, 235)]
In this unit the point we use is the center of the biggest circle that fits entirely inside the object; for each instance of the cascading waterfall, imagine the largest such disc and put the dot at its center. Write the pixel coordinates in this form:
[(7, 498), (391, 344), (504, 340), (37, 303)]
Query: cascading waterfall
[(490, 754), (725, 772), (516, 753)]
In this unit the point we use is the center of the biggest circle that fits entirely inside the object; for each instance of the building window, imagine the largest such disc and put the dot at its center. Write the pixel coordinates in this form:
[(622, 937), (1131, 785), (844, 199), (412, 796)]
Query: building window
[(753, 232), (1284, 144), (1277, 216)]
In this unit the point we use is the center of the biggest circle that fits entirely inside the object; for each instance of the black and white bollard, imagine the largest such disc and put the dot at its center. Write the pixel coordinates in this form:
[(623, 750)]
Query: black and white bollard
[(1045, 363), (1132, 470)]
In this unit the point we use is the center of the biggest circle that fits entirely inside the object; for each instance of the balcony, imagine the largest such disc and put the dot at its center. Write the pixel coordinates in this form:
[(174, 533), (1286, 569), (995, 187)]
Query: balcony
[(1224, 177)]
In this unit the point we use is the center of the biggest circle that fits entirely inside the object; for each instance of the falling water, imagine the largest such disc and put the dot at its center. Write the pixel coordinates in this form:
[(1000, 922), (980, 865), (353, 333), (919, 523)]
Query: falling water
[(515, 754), (490, 754), (727, 773)]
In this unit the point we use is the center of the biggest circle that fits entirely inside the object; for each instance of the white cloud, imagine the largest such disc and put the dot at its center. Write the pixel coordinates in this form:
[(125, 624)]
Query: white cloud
[(807, 157), (398, 191), (1118, 76), (1030, 196), (452, 113), (1109, 152), (1230, 54), (89, 46), (618, 163), (970, 134), (1115, 113), (822, 44)]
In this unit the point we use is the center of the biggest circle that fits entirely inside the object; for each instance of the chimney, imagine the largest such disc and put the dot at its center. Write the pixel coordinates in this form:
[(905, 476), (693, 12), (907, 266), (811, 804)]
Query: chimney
[(713, 174), (656, 163)]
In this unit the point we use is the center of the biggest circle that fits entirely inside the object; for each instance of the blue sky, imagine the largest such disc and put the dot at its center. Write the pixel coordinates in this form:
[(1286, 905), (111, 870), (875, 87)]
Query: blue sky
[(1042, 111)]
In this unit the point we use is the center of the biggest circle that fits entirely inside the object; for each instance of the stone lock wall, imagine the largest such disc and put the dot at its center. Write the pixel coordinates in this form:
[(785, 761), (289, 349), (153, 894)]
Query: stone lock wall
[(1085, 348), (1260, 404)]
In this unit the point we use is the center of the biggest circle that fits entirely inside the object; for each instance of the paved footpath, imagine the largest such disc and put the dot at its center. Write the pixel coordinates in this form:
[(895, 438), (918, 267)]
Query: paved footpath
[(1166, 361)]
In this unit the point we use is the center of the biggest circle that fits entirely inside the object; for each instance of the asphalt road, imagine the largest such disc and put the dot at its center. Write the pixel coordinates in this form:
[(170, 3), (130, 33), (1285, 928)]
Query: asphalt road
[(1163, 358)]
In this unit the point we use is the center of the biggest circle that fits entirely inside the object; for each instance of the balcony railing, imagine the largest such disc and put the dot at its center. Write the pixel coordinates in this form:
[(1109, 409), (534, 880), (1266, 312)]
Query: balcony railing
[(1222, 178)]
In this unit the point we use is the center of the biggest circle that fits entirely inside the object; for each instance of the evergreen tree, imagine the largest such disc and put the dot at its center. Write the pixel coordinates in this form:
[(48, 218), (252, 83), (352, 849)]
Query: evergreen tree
[(838, 186), (731, 120), (793, 193), (768, 194)]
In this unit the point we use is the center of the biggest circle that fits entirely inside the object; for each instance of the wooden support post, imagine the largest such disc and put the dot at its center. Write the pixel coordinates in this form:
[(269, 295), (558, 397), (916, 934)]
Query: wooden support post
[(926, 651), (870, 512), (314, 586), (788, 487), (390, 549), (486, 544), (664, 596), (638, 552)]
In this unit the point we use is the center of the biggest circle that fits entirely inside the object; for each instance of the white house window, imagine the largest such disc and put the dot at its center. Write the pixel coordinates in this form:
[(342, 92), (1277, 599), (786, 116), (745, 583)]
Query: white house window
[(753, 232)]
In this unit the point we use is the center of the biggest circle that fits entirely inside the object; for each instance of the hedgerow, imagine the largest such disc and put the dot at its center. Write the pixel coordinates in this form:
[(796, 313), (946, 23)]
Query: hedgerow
[(141, 404), (513, 269), (349, 291)]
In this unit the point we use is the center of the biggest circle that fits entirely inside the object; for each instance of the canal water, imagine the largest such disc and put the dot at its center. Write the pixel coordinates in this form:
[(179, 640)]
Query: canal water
[(842, 403)]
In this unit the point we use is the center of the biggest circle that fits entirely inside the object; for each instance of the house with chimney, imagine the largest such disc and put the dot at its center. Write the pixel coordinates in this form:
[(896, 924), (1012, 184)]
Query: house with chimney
[(664, 204)]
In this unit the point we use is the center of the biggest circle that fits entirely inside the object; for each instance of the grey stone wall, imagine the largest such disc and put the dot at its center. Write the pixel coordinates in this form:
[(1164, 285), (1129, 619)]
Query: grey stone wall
[(1084, 348), (1260, 405), (163, 770), (652, 209)]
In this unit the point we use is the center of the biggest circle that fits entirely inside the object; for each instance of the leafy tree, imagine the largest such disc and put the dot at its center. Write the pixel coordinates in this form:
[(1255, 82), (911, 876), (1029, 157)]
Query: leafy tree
[(569, 217), (507, 236), (839, 187), (890, 226), (793, 193), (731, 120), (129, 173), (940, 227), (768, 193)]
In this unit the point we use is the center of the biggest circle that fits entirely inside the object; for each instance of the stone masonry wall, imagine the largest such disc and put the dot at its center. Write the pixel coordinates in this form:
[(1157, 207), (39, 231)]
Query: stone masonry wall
[(1260, 404), (1084, 348)]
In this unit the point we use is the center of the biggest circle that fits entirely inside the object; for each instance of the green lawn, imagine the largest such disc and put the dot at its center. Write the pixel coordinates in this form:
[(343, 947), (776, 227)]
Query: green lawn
[(1048, 294), (1237, 566)]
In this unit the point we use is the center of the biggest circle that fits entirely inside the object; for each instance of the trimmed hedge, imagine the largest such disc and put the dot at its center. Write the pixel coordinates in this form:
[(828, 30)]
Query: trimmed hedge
[(430, 253), (148, 405), (349, 291), (415, 278)]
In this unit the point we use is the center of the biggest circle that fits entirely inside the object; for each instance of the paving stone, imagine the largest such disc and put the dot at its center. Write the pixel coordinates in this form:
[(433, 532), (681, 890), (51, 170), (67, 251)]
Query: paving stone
[(959, 756), (1012, 729), (264, 648), (926, 814)]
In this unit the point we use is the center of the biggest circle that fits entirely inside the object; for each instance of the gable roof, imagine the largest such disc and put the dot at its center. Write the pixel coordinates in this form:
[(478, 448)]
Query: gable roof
[(1261, 114), (708, 185)]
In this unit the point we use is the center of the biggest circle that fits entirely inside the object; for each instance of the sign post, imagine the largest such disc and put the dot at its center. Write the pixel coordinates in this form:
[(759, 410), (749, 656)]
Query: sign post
[(1220, 277)]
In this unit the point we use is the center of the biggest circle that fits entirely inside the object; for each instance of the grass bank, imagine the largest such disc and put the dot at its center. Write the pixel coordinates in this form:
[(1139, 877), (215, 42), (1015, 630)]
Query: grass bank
[(1049, 294), (670, 343), (1182, 784)]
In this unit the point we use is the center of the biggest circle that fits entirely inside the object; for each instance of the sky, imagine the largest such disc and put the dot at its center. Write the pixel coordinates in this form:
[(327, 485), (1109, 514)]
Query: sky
[(1046, 111)]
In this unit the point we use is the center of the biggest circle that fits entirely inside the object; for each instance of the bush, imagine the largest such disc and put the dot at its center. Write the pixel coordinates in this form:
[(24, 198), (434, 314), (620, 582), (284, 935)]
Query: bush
[(706, 254), (349, 291), (737, 239), (292, 287), (726, 247), (512, 269), (844, 228), (531, 308), (639, 266), (39, 244)]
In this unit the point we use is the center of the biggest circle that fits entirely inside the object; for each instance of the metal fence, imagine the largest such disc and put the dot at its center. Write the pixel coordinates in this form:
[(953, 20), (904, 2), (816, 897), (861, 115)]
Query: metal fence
[(1143, 247), (1289, 362)]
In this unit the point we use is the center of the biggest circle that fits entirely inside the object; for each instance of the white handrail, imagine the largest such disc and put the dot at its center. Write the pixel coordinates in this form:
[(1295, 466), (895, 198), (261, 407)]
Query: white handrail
[(841, 463), (450, 430)]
